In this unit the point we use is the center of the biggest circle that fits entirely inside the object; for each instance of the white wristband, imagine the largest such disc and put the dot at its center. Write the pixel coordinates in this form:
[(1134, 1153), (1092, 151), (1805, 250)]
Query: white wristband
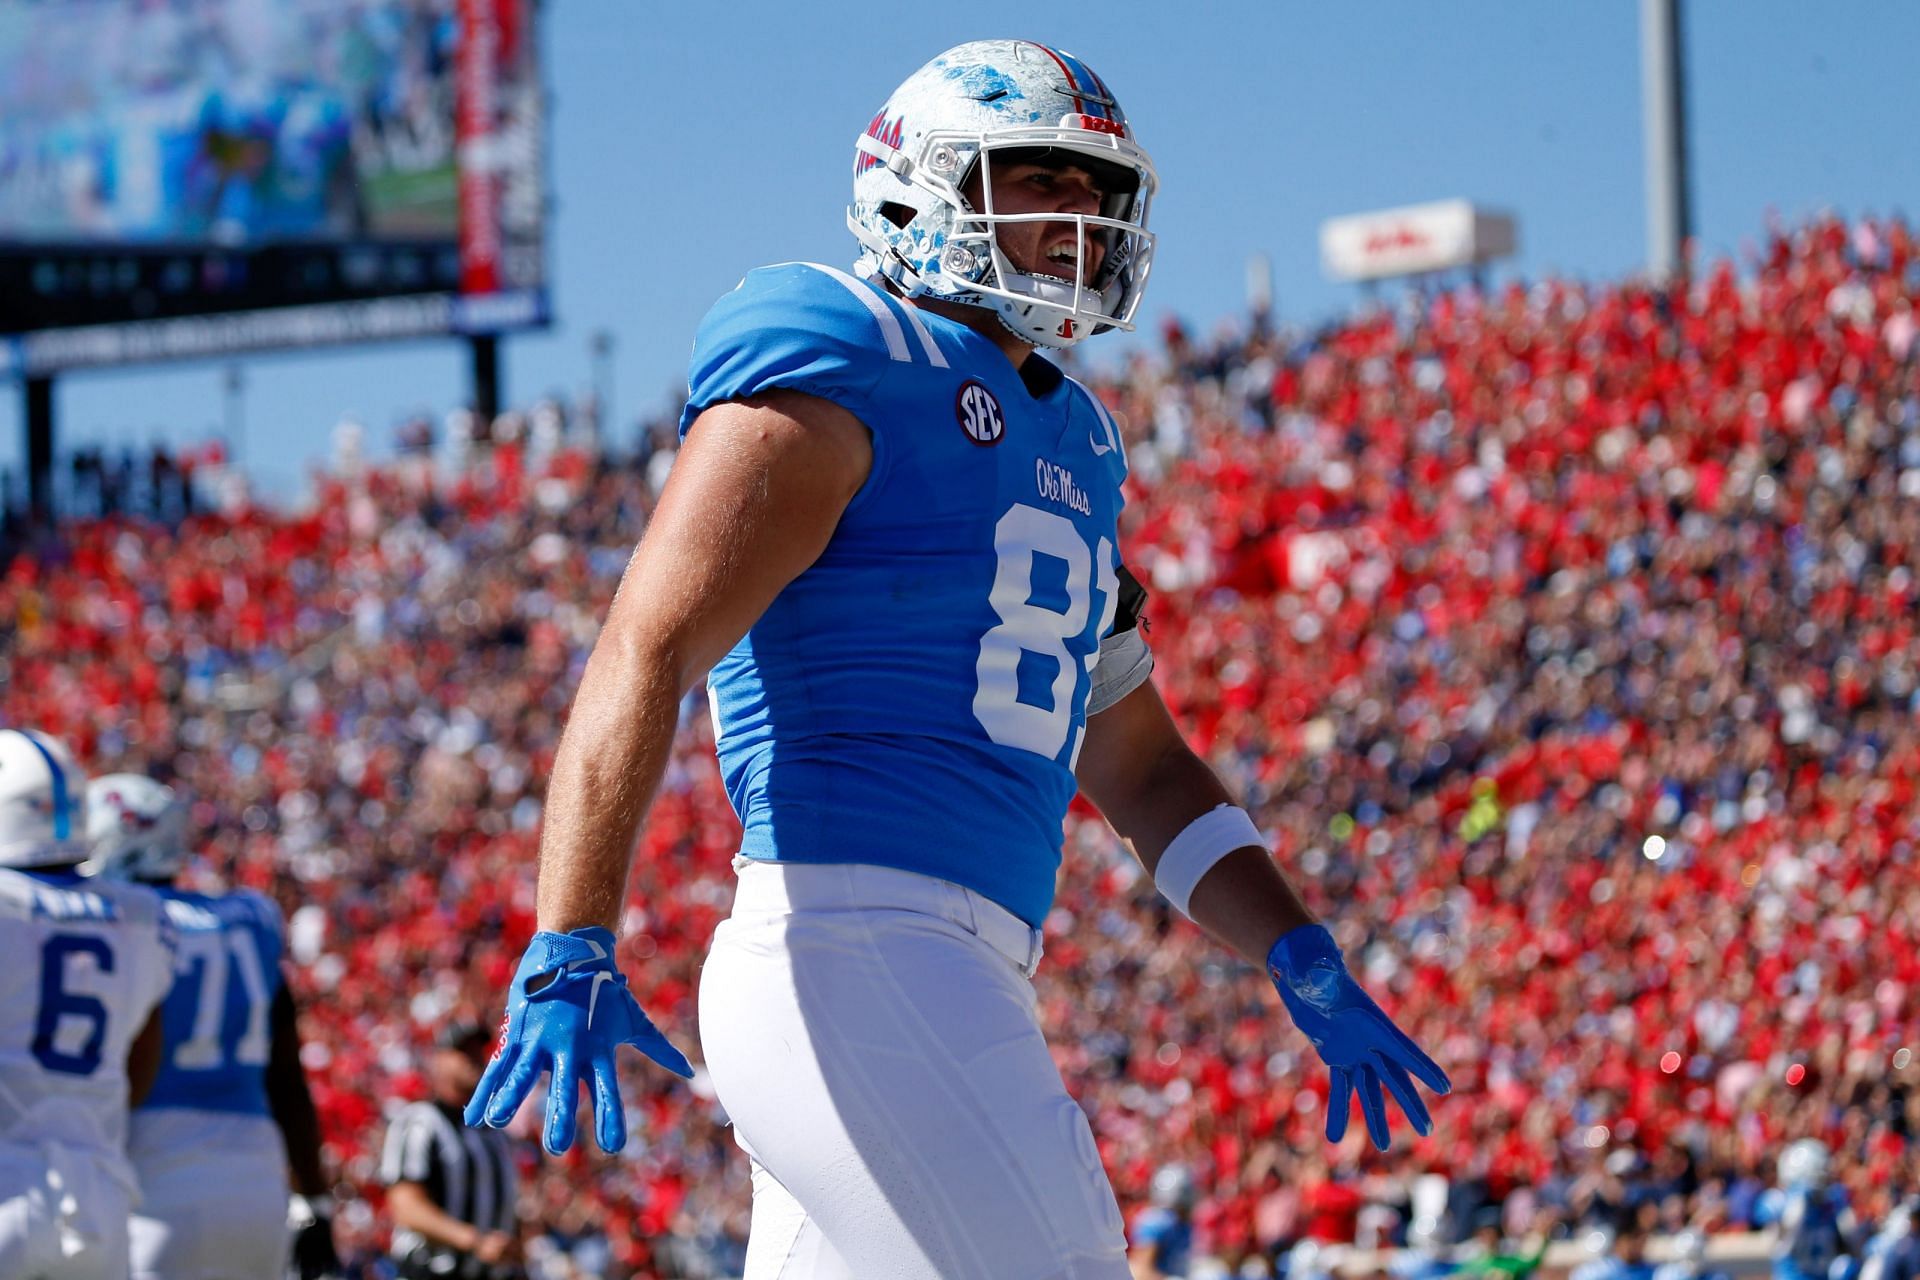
[(1207, 839)]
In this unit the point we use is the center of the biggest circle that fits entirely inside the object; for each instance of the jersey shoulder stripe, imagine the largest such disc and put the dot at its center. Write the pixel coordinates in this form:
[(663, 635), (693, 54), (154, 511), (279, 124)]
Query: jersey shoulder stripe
[(803, 327), (890, 330), (935, 356), (884, 307)]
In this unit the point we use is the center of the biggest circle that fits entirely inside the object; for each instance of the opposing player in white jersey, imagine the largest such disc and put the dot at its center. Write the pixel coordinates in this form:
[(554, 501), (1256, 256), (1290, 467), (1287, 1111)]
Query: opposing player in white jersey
[(230, 1112), (85, 968), (891, 538)]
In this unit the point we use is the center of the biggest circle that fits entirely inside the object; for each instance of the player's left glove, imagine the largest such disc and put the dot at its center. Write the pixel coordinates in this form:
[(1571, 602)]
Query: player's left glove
[(1353, 1036), (568, 1010), (314, 1257)]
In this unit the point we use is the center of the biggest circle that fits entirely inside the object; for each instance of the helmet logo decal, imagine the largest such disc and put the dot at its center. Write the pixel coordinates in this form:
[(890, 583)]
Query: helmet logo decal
[(979, 414), (1094, 124), (880, 129), (1066, 328)]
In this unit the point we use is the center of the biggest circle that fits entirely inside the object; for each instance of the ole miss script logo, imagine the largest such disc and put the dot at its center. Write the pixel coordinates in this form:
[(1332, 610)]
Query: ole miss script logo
[(979, 414)]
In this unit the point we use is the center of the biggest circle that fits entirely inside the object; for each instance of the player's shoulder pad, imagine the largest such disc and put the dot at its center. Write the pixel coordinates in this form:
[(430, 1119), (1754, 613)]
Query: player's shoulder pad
[(1132, 607), (258, 909), (804, 327), (136, 903), (1105, 432), (16, 893)]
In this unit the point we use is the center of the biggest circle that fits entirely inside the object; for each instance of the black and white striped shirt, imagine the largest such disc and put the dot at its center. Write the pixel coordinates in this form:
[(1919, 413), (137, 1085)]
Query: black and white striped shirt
[(469, 1173)]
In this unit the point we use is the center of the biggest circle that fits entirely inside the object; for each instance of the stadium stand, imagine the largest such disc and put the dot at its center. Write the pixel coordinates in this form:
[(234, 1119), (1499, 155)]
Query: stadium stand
[(1567, 630)]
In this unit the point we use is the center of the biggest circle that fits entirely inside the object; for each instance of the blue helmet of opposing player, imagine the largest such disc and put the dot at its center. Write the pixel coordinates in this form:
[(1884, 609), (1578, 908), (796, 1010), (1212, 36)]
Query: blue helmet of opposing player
[(996, 102)]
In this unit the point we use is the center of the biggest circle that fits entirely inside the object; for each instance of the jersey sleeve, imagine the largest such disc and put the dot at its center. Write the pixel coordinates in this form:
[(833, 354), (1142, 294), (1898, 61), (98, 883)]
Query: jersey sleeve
[(1153, 1227), (263, 916), (796, 327), (145, 913)]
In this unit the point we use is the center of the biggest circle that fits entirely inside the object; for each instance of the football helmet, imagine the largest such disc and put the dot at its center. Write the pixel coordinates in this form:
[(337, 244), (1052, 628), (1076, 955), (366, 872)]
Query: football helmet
[(136, 829), (998, 102), (1805, 1164), (42, 801), (1172, 1187)]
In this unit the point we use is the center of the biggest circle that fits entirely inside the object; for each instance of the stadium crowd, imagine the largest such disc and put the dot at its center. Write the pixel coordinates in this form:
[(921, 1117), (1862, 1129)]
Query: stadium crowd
[(1561, 638)]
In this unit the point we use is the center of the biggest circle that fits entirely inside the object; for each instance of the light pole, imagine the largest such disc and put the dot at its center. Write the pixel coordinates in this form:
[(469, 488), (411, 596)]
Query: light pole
[(600, 345), (236, 406), (1663, 89)]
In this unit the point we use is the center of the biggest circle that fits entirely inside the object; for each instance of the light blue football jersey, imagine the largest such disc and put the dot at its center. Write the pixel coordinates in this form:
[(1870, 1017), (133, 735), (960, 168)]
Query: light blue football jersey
[(219, 1013), (917, 697)]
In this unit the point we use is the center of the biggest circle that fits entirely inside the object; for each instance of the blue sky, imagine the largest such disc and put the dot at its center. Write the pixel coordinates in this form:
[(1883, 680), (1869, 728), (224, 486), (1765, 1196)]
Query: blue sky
[(691, 143)]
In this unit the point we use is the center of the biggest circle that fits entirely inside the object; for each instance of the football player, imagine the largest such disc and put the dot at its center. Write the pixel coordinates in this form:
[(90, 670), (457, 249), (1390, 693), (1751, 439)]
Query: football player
[(1163, 1235), (890, 537), (80, 1028), (230, 1113), (1816, 1228)]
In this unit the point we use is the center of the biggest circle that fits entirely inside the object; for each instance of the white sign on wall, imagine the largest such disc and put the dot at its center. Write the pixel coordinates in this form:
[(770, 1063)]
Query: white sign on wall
[(1415, 239)]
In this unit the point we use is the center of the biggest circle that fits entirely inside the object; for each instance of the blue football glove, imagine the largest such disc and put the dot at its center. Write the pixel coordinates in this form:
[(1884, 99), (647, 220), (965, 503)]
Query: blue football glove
[(568, 1010), (1353, 1036)]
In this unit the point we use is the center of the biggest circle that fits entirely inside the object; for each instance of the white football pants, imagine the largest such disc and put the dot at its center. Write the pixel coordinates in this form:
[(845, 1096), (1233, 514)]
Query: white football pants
[(213, 1203), (63, 1216), (872, 1035)]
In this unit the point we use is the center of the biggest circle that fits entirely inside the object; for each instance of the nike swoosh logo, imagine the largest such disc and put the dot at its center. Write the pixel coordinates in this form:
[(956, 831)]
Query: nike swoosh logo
[(593, 999), (1099, 450)]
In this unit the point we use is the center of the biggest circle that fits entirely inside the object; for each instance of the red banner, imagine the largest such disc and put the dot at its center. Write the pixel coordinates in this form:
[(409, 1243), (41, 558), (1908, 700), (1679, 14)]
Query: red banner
[(476, 109)]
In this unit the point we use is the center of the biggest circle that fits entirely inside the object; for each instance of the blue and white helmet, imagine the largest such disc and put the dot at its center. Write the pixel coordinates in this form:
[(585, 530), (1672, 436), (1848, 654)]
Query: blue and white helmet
[(136, 829), (1172, 1187), (1805, 1163), (43, 797), (969, 105)]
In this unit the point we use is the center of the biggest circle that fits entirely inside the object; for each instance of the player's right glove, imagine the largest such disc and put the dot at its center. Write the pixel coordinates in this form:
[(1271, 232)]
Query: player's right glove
[(1352, 1034), (314, 1257), (568, 1010)]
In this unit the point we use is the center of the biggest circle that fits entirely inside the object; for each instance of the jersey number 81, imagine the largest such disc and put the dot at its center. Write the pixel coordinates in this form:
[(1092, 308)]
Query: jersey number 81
[(1042, 627)]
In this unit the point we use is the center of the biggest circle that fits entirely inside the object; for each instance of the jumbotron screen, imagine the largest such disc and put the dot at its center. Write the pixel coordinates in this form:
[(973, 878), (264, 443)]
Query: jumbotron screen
[(191, 177)]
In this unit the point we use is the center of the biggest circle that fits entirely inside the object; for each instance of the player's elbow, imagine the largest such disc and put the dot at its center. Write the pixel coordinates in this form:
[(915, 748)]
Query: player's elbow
[(641, 656)]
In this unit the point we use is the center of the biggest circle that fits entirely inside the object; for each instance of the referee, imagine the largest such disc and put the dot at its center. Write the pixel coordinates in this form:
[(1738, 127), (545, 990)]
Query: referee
[(451, 1189)]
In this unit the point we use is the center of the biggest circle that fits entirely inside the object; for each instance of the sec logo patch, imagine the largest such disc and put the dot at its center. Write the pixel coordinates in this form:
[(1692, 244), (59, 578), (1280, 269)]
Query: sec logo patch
[(979, 414)]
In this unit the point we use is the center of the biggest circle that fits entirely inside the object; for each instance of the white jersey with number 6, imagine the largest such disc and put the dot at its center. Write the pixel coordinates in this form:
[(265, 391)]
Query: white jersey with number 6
[(86, 962)]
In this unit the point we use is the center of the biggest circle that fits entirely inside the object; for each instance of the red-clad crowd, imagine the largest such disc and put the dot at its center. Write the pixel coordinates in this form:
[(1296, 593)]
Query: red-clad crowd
[(1561, 639)]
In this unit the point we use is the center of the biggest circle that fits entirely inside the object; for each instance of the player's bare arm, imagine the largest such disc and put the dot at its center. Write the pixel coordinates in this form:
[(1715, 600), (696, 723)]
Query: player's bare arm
[(756, 492), (292, 1099), (1148, 783), (309, 1211), (1172, 809), (754, 495), (144, 1057)]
